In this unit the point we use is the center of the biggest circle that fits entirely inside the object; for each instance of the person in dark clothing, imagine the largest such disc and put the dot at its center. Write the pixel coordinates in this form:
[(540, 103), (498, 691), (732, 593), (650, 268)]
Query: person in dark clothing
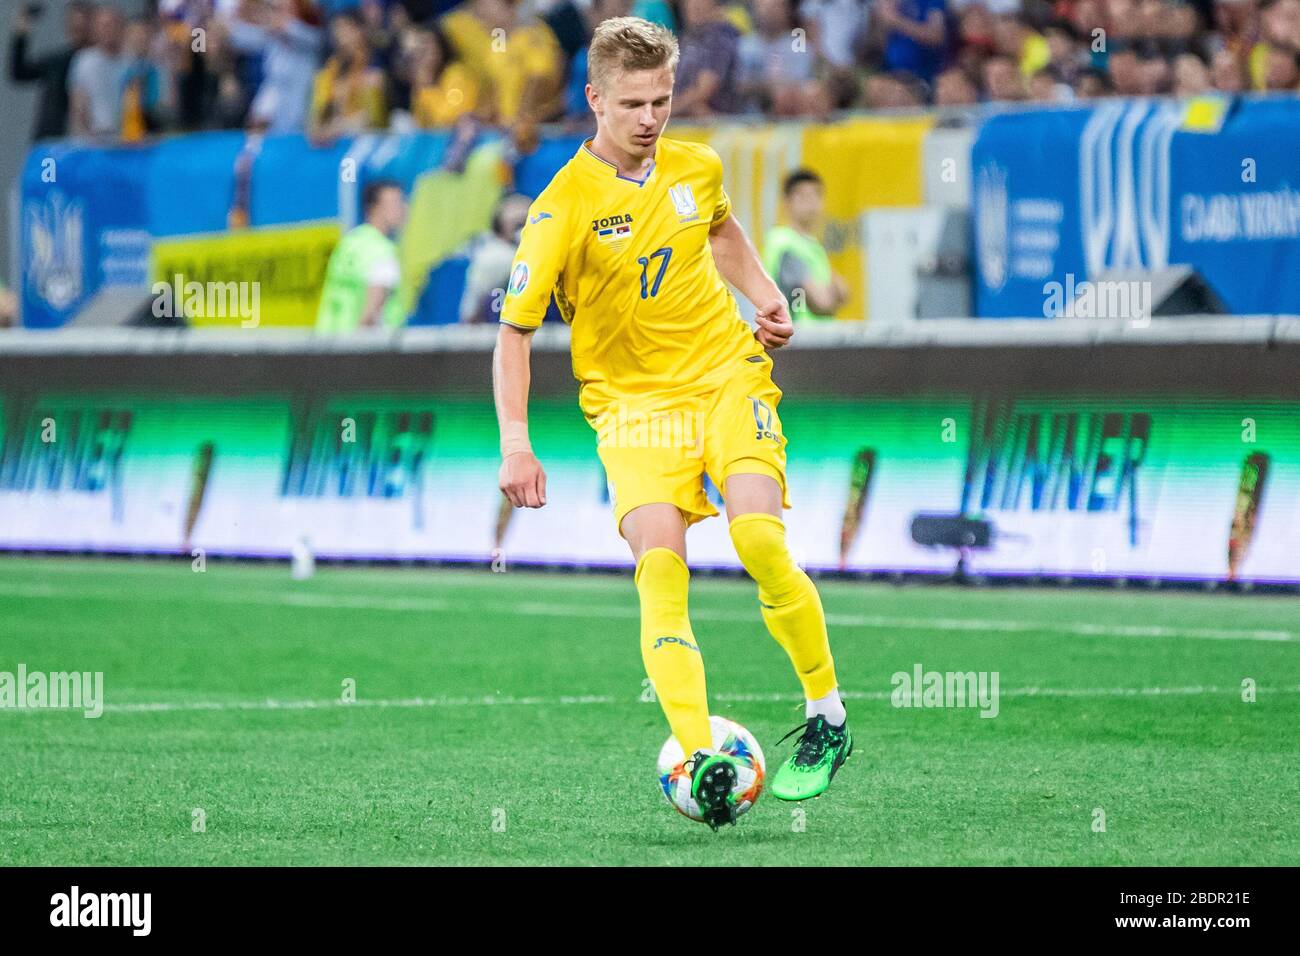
[(50, 70), (574, 23)]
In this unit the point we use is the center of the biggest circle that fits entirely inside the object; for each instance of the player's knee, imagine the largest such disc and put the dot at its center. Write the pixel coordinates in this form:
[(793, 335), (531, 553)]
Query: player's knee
[(761, 546), (659, 564), (651, 526)]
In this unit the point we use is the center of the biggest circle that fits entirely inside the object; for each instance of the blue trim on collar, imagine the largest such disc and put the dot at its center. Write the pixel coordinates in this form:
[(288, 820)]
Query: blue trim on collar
[(617, 174)]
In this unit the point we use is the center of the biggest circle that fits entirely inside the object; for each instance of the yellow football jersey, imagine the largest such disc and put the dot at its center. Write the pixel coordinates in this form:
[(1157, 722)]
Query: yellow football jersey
[(633, 275)]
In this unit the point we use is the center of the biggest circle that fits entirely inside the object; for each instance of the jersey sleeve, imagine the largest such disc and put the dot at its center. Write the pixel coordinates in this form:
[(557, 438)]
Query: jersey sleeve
[(722, 208), (384, 271), (538, 264), (791, 273)]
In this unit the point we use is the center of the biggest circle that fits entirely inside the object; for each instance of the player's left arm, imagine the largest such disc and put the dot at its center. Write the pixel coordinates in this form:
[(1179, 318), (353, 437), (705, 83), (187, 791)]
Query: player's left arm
[(740, 265)]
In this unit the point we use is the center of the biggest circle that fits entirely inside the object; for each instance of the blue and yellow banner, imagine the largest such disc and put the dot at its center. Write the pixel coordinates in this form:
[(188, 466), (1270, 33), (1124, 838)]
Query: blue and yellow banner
[(1064, 197)]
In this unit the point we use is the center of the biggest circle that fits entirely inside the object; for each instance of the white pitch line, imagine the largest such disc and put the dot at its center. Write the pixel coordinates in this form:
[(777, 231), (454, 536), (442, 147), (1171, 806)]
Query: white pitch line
[(397, 576), (1084, 630), (1198, 690), (631, 611), (486, 700), (886, 623), (498, 700), (303, 599)]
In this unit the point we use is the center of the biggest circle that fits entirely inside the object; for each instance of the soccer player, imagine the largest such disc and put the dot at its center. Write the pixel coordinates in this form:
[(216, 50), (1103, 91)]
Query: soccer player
[(634, 237)]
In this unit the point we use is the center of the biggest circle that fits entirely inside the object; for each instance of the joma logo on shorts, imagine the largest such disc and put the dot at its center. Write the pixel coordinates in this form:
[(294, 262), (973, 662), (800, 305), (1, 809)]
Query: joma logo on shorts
[(675, 640), (763, 421)]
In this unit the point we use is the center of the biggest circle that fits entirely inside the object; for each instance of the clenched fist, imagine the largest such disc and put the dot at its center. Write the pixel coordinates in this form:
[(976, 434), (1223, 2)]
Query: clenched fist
[(522, 480), (774, 323)]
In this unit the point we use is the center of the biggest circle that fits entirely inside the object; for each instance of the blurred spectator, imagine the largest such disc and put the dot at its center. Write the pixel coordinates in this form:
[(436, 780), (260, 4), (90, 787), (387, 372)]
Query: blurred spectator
[(1279, 22), (1236, 23), (97, 77), (574, 22), (1280, 69), (426, 11), (954, 88), (491, 255), (8, 307), (364, 271), (1120, 21), (834, 28), (1015, 38), (893, 91), (348, 96), (1191, 75), (1002, 79), (1065, 57), (441, 89), (516, 62), (1043, 88), (50, 70), (776, 75), (708, 71), (1092, 84), (1228, 72), (146, 88), (209, 90), (795, 257), (1125, 69), (974, 39), (916, 33), (288, 46), (656, 11), (1156, 75), (382, 24)]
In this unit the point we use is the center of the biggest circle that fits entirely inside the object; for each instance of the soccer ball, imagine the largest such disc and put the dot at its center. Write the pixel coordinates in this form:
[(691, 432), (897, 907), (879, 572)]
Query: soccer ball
[(728, 737)]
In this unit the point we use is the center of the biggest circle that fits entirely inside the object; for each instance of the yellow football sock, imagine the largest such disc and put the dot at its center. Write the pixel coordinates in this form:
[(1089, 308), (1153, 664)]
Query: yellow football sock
[(791, 607), (669, 650)]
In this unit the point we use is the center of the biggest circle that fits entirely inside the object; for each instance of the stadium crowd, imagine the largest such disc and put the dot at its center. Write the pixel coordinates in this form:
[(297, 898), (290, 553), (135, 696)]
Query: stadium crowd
[(332, 67)]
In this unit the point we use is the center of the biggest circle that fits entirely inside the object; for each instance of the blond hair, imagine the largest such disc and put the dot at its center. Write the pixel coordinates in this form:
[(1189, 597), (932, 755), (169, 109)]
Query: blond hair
[(624, 44)]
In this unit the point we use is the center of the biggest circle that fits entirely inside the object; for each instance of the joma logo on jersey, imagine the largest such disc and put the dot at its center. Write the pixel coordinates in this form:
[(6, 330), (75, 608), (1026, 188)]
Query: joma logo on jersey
[(684, 202), (676, 640), (612, 228)]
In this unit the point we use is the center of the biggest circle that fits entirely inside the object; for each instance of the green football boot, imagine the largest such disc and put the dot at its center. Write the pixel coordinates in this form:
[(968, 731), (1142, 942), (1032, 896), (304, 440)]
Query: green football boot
[(818, 754), (713, 785)]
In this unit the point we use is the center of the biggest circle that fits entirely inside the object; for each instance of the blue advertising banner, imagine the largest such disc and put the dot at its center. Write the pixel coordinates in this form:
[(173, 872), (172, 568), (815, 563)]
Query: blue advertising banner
[(1062, 197), (84, 226), (91, 216)]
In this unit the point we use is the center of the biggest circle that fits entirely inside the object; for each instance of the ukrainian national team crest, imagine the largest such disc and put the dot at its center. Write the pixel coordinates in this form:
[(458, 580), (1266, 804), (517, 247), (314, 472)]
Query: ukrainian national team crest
[(54, 265), (684, 202)]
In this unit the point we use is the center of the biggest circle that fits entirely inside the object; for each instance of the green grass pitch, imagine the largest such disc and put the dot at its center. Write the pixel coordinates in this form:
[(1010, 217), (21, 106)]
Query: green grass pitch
[(499, 720)]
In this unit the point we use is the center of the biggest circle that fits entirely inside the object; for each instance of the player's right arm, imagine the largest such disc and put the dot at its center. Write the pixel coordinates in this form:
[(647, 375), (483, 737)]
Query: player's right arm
[(537, 266), (521, 477)]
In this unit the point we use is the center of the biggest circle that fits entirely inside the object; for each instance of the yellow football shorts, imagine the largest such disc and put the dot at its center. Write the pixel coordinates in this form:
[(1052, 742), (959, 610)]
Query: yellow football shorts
[(658, 450)]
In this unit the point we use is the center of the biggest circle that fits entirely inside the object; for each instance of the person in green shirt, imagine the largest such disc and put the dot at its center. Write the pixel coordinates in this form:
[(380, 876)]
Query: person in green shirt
[(796, 259), (8, 307), (364, 271)]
